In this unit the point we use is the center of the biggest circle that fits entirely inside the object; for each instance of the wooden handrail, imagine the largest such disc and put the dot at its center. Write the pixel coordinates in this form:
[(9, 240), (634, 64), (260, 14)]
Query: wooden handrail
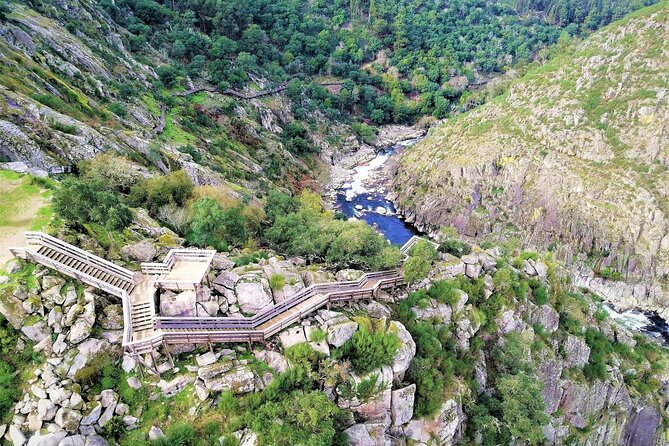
[(93, 260)]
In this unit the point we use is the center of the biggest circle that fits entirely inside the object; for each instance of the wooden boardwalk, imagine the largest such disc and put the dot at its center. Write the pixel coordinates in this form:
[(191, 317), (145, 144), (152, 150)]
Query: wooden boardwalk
[(145, 330)]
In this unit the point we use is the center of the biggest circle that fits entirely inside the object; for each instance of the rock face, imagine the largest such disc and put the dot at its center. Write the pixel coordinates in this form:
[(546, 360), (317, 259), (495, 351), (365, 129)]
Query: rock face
[(444, 426), (576, 351), (402, 405), (407, 349), (556, 159), (253, 294)]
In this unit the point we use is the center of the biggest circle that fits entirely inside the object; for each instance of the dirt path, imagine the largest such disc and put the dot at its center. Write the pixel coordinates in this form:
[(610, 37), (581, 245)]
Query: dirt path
[(18, 216)]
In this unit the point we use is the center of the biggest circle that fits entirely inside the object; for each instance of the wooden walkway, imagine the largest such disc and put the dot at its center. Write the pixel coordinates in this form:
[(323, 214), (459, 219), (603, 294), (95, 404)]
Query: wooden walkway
[(145, 330)]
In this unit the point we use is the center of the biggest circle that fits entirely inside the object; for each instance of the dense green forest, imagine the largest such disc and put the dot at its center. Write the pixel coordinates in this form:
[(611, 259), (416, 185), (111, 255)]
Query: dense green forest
[(399, 59)]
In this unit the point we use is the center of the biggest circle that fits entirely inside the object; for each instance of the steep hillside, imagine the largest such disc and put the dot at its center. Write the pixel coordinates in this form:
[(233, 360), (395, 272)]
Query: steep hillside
[(576, 153), (70, 89)]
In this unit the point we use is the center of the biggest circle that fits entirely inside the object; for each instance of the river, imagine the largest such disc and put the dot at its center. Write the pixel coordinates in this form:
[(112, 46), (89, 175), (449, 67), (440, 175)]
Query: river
[(363, 197)]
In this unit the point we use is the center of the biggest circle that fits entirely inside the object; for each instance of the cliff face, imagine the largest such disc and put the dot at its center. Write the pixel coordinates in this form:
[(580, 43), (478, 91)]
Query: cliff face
[(575, 153)]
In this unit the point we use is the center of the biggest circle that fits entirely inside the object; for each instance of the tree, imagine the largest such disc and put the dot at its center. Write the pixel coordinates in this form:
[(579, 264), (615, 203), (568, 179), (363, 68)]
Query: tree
[(235, 226), (421, 257), (81, 201), (523, 408), (208, 223)]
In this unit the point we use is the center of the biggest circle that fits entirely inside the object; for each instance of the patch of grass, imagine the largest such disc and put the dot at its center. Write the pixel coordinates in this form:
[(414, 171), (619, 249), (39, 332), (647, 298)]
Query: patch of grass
[(16, 191)]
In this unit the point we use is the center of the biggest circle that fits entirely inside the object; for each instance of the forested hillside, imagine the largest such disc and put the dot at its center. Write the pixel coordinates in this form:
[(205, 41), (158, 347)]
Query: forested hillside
[(399, 59), (574, 155)]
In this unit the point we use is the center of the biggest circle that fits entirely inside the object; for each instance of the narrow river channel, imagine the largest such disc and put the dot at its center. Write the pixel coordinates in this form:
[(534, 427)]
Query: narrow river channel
[(364, 198)]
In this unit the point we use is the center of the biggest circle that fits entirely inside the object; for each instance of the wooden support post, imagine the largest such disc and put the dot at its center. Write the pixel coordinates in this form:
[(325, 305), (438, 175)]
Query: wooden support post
[(155, 361), (169, 355), (211, 346), (138, 360)]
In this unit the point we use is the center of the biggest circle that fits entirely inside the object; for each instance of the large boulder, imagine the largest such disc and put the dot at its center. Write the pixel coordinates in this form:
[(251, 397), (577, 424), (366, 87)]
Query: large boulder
[(292, 336), (238, 381), (36, 331), (112, 318), (253, 294), (341, 332), (143, 251), (292, 279), (405, 352), (348, 275), (401, 406), (68, 419), (181, 305), (443, 426), (275, 360), (434, 309), (49, 439), (375, 408), (359, 435), (547, 316)]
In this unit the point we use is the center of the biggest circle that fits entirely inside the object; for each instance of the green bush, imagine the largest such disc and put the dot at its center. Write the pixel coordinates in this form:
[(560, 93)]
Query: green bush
[(454, 247), (181, 434), (80, 201), (9, 391), (277, 282), (65, 128), (610, 274), (211, 225), (523, 408), (95, 369), (152, 194), (540, 295), (315, 234), (308, 419), (421, 257), (318, 335), (369, 349), (118, 109)]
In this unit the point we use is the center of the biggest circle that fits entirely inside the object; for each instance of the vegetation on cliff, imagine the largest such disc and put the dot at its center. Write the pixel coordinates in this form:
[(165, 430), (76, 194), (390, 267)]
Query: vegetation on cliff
[(571, 154)]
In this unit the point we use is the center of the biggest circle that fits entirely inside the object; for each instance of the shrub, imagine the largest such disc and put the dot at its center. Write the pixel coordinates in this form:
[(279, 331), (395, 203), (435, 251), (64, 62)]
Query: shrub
[(421, 257), (65, 128), (277, 282), (82, 200), (540, 295), (610, 274), (228, 404), (9, 391), (523, 408), (304, 419), (455, 247), (318, 335), (181, 434), (118, 109), (369, 349), (92, 372), (174, 188), (362, 390), (192, 151)]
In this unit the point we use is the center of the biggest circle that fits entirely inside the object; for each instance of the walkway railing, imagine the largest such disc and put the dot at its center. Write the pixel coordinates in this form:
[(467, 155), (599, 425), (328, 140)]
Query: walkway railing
[(209, 329), (40, 238), (413, 241), (176, 330)]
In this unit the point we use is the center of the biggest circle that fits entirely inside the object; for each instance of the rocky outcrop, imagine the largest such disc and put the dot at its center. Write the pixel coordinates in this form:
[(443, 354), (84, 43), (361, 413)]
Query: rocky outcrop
[(556, 159)]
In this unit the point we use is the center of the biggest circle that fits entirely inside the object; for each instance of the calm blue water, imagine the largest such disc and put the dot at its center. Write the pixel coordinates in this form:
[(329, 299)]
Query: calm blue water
[(366, 199), (390, 226)]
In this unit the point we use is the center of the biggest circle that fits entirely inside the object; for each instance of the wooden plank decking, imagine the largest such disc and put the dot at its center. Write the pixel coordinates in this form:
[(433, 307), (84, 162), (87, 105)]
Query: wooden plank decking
[(144, 330)]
